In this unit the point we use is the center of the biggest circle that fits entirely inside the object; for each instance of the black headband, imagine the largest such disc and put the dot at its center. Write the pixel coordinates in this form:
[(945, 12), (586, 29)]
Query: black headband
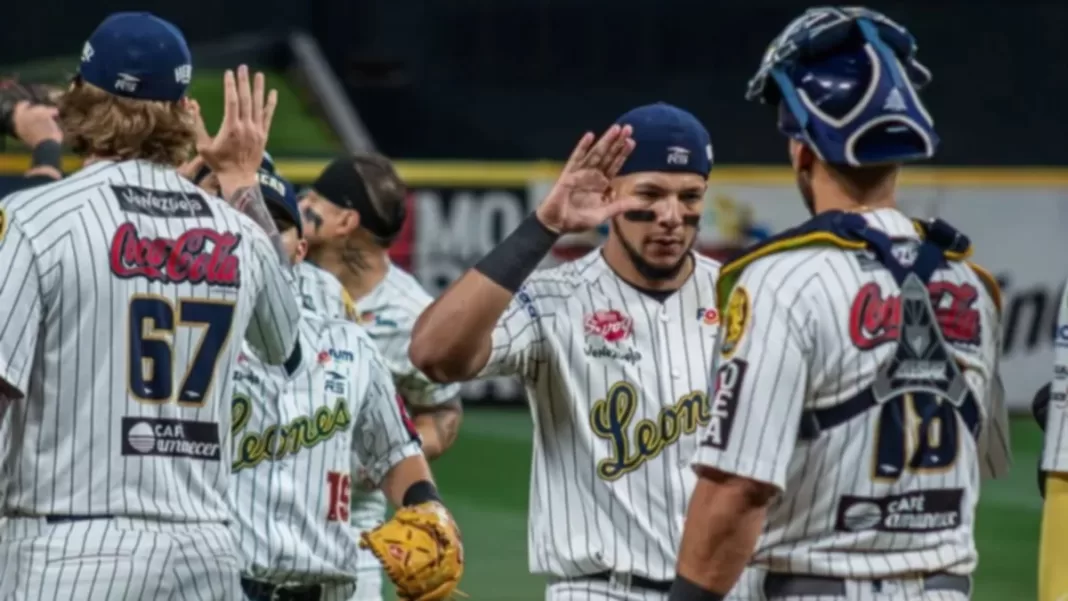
[(342, 184)]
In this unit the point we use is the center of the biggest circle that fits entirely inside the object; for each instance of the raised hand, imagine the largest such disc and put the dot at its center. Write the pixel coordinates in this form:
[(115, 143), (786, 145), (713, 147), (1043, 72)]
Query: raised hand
[(580, 199), (237, 148)]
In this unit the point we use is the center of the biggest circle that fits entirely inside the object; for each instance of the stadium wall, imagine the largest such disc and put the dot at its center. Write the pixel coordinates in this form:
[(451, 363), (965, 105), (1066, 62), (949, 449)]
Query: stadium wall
[(1015, 218)]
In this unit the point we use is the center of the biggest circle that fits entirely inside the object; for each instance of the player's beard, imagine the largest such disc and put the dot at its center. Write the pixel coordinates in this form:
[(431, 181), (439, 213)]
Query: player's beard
[(649, 271), (804, 185)]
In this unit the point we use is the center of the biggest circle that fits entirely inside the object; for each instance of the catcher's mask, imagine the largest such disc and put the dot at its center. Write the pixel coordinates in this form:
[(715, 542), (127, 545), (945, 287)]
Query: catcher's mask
[(845, 82)]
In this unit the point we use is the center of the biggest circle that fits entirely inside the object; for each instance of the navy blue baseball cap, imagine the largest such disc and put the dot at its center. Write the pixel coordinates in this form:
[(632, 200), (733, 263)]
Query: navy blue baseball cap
[(137, 55), (280, 195), (667, 139)]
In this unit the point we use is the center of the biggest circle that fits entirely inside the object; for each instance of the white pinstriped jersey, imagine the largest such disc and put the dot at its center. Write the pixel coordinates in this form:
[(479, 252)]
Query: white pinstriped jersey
[(1055, 453), (617, 383), (887, 492), (295, 443), (388, 313), (127, 292)]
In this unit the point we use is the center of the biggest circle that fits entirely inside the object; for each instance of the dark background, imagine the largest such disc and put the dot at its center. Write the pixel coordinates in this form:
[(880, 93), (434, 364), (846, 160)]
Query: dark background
[(519, 79)]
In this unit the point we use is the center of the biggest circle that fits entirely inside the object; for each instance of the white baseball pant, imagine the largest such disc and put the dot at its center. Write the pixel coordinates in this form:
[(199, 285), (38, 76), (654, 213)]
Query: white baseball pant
[(599, 590), (752, 587), (368, 586), (117, 559)]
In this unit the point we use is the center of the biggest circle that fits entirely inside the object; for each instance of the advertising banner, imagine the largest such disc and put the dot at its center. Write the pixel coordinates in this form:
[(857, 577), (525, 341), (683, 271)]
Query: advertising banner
[(1015, 228), (1015, 219)]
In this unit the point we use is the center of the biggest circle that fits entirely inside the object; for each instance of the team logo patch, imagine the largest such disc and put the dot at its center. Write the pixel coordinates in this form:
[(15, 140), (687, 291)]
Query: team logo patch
[(161, 437), (336, 383), (736, 320), (198, 256), (923, 511), (709, 316), (3, 223), (609, 324), (161, 203), (724, 404), (605, 330)]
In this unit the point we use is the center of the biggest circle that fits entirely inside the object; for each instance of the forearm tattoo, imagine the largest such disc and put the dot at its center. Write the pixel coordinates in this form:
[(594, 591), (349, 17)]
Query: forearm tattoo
[(249, 200)]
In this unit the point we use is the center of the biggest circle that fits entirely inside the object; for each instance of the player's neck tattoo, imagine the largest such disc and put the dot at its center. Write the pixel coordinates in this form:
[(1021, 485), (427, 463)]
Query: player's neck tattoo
[(359, 268)]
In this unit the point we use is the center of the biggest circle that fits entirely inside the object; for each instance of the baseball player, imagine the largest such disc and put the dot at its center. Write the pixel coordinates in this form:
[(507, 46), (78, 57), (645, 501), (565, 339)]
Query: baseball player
[(857, 396), (1051, 411), (295, 439), (124, 286), (614, 349), (355, 209)]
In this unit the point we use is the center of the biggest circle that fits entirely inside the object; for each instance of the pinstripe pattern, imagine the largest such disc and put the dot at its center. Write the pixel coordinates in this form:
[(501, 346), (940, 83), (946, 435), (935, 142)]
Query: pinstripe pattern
[(608, 487), (388, 313), (589, 590), (800, 355), (66, 346), (284, 502), (117, 560), (1055, 453), (750, 588)]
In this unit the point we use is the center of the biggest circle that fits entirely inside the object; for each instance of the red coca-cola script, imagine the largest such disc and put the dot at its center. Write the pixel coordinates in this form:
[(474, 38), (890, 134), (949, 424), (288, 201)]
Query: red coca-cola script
[(200, 255), (874, 320), (610, 324)]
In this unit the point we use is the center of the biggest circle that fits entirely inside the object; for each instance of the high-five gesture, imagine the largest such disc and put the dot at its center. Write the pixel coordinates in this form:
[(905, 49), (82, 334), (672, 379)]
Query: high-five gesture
[(580, 199), (248, 111)]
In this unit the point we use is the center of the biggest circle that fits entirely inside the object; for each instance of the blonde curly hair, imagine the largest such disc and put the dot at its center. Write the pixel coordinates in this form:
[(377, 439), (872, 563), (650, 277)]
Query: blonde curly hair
[(100, 124)]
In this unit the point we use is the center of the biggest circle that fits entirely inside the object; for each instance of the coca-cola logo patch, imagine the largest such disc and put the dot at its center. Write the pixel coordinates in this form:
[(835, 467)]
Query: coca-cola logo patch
[(610, 324), (198, 256)]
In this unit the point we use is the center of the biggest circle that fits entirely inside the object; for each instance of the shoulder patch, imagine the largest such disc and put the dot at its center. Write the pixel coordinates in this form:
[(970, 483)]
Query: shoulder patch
[(3, 223), (834, 228), (735, 320)]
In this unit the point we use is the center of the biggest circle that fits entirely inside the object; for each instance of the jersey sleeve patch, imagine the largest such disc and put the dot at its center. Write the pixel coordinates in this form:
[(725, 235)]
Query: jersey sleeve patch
[(724, 405), (736, 320)]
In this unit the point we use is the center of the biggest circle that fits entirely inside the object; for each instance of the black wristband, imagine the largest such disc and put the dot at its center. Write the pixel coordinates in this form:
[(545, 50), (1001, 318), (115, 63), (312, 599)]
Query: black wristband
[(47, 154), (517, 256), (685, 590), (422, 491)]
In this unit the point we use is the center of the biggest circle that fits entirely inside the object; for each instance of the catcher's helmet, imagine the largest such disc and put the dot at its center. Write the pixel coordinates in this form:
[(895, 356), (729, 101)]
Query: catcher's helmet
[(845, 82)]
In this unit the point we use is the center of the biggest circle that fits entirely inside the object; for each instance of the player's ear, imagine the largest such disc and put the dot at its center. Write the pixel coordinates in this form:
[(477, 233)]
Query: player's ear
[(301, 251), (350, 221)]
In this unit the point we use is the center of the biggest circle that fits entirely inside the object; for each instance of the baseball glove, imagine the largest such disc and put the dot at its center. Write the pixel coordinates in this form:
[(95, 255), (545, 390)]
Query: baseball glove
[(13, 92), (421, 551)]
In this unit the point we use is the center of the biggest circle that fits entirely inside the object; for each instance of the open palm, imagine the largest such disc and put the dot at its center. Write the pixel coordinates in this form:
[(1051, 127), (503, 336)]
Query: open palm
[(580, 199), (248, 111)]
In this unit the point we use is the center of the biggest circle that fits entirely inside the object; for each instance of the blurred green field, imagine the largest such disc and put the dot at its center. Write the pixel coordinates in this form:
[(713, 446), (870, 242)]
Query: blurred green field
[(485, 479), (297, 131)]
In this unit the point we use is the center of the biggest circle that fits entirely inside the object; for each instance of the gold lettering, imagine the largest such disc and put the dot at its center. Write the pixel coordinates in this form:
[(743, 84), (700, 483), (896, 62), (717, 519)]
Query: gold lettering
[(278, 441), (611, 419)]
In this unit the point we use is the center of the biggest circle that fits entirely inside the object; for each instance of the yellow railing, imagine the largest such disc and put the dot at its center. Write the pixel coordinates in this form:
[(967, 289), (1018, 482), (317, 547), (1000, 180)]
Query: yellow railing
[(491, 173)]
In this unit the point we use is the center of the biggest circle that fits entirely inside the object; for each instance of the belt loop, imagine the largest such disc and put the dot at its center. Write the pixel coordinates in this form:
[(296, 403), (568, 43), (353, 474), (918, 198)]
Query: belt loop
[(621, 580)]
